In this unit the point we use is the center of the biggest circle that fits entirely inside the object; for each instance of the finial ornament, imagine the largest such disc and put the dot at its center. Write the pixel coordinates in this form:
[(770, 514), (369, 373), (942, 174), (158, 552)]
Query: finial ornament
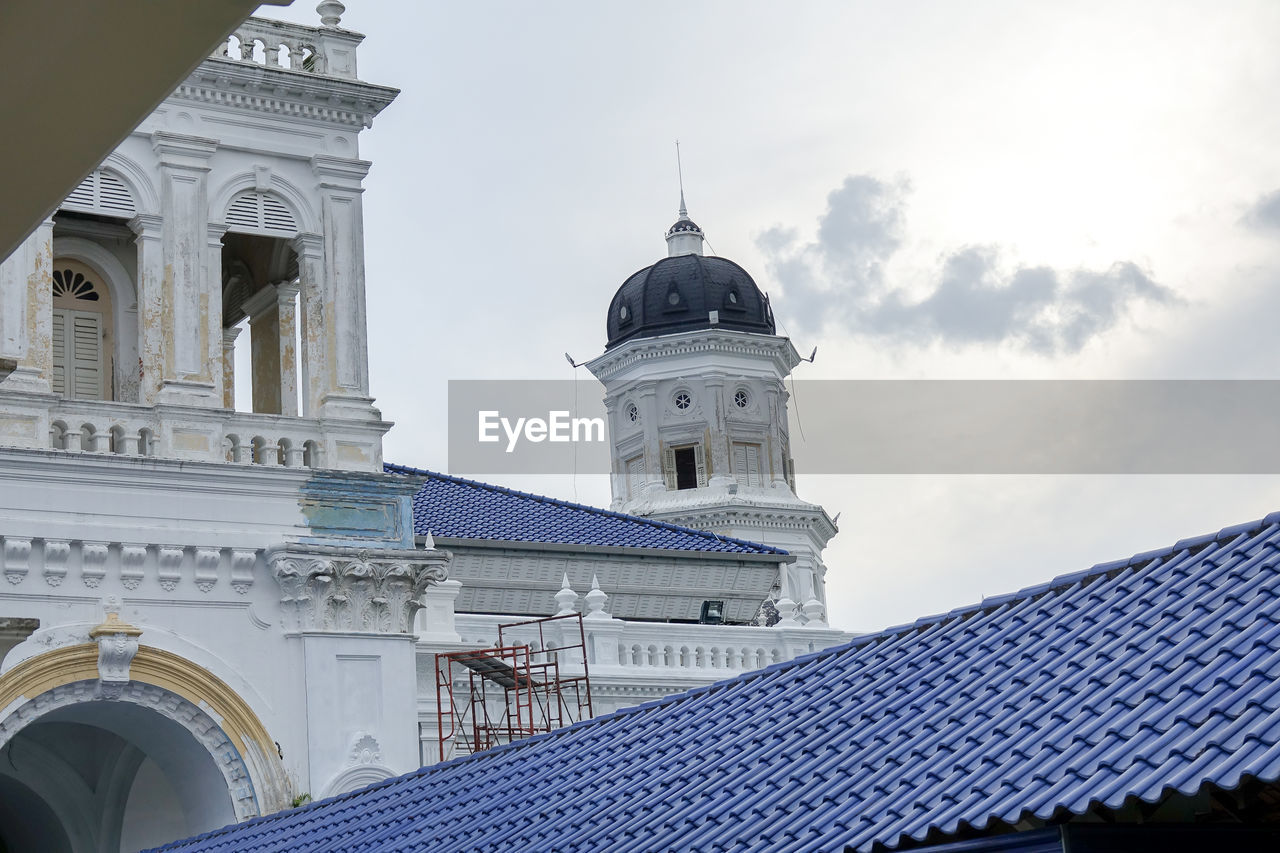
[(684, 214), (330, 12)]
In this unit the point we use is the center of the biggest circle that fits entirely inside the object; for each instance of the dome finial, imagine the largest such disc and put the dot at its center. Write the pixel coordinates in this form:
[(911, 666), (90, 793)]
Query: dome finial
[(685, 237), (684, 214)]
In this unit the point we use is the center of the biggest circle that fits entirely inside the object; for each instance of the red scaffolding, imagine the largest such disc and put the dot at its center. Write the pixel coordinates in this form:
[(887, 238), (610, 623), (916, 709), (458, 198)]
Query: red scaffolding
[(522, 686)]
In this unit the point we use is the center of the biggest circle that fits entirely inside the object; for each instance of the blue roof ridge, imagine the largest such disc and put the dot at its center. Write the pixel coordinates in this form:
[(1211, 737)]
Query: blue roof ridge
[(661, 525)]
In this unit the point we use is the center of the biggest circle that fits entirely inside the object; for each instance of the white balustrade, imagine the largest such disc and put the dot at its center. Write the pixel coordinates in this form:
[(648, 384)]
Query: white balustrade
[(292, 47), (212, 435), (719, 651)]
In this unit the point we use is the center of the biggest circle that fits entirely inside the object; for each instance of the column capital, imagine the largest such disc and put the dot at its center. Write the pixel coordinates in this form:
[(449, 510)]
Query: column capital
[(340, 172), (177, 149), (216, 231), (268, 298), (147, 225), (309, 245), (229, 335)]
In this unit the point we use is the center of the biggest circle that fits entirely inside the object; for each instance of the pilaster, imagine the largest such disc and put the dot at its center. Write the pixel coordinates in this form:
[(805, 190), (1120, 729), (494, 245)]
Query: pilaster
[(344, 316), (151, 305), (26, 311), (187, 375)]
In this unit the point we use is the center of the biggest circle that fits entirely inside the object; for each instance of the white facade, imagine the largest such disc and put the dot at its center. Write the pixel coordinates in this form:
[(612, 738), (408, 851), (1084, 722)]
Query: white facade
[(206, 613), (717, 396), (210, 614)]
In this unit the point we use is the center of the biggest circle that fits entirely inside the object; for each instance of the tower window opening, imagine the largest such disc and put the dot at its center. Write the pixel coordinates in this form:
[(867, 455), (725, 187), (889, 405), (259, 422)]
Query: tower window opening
[(682, 400), (742, 398), (686, 467), (633, 413)]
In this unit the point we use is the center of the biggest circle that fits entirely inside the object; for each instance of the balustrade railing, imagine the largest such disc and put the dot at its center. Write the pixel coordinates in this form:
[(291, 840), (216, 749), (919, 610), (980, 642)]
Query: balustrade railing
[(292, 47)]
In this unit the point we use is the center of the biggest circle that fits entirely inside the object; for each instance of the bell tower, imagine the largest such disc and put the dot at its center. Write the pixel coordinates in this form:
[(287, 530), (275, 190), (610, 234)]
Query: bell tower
[(694, 376)]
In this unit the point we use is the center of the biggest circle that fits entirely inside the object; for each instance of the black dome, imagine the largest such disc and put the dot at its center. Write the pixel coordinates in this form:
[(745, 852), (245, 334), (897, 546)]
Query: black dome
[(678, 294)]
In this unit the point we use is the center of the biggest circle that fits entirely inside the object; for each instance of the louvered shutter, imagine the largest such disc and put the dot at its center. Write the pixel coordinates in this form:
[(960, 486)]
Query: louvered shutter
[(669, 468), (102, 192), (635, 475), (254, 211), (59, 379), (85, 374), (746, 464), (700, 460), (77, 354)]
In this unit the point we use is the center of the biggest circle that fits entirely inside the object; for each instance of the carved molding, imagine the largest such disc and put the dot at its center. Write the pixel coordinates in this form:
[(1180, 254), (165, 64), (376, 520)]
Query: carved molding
[(117, 646), (328, 588)]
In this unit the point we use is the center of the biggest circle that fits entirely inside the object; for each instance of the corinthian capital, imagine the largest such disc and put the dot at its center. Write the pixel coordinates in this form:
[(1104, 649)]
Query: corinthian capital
[(331, 588)]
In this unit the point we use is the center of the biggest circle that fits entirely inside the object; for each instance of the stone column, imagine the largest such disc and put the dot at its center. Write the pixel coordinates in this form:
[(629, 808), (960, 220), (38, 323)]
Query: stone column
[(316, 361), (26, 311), (212, 315), (273, 329), (188, 374), (344, 298), (151, 306), (229, 367)]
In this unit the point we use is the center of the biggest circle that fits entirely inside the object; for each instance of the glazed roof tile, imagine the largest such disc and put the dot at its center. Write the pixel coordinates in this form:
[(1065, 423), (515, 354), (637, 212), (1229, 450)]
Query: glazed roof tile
[(1111, 686)]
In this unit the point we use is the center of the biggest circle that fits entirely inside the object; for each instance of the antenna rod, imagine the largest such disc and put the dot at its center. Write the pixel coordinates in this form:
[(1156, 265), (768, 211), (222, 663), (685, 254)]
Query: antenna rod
[(680, 173)]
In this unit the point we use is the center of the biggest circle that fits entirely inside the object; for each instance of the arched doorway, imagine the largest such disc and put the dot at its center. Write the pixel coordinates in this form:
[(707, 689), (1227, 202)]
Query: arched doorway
[(91, 765), (82, 333)]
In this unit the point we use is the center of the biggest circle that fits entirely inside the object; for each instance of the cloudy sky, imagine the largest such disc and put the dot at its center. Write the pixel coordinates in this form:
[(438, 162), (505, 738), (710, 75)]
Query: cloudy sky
[(926, 189)]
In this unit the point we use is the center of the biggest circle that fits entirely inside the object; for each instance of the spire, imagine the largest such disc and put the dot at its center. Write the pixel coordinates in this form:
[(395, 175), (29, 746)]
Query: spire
[(685, 237), (684, 214)]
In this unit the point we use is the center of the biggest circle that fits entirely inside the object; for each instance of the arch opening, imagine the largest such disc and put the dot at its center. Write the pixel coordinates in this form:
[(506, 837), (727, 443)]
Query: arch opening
[(109, 775)]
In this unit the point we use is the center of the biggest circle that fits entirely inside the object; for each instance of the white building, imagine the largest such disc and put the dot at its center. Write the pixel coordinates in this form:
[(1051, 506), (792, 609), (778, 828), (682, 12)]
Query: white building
[(210, 614)]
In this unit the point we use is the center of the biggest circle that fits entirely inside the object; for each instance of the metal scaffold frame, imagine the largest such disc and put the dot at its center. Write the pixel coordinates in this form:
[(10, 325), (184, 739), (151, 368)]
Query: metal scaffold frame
[(488, 697)]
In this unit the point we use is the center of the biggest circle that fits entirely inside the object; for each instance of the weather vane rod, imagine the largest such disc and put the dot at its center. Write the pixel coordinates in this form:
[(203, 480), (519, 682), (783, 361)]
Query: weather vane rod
[(680, 174)]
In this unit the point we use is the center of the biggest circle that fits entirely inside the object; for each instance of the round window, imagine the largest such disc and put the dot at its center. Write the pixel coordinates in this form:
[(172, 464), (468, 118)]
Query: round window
[(742, 398), (682, 400), (673, 297), (623, 313), (633, 414)]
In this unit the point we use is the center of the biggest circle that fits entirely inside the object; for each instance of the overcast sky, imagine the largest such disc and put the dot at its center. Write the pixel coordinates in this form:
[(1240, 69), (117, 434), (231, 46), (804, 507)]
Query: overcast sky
[(926, 190)]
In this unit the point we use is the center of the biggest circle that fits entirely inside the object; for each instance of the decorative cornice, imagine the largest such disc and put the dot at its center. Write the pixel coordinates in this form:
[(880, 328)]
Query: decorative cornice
[(638, 350), (339, 589), (252, 87)]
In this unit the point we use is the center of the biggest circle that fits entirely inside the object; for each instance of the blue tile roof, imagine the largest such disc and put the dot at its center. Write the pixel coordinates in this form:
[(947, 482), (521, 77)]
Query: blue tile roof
[(1120, 684), (465, 509)]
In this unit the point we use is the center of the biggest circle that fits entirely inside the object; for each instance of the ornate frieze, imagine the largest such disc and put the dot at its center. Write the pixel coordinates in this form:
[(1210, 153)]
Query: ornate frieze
[(331, 588)]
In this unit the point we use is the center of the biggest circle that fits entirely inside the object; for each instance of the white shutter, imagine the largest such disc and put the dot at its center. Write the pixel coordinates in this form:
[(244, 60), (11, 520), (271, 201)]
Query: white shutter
[(635, 475), (255, 211), (77, 354), (85, 375), (746, 464), (700, 459), (669, 468), (59, 380), (101, 192)]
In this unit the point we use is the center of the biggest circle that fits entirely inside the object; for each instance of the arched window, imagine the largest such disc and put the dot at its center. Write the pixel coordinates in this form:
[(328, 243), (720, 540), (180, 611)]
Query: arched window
[(81, 332)]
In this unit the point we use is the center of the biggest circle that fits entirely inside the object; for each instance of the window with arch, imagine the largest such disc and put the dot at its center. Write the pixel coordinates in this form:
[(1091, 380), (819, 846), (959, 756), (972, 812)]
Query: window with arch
[(81, 332)]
